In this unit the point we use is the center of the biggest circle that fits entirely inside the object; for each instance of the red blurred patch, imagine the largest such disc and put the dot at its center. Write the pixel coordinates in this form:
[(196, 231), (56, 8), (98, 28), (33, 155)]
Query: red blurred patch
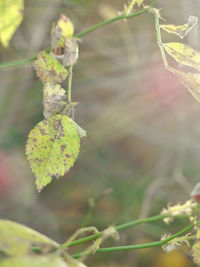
[(6, 175)]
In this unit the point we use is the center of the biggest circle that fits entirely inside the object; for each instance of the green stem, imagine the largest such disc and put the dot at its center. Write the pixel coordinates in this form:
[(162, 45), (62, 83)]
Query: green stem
[(93, 28), (17, 63), (139, 246), (159, 40), (69, 89), (118, 228)]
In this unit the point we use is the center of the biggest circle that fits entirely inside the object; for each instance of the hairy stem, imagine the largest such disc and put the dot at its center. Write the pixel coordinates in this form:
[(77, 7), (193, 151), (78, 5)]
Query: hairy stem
[(119, 228), (139, 246), (93, 28)]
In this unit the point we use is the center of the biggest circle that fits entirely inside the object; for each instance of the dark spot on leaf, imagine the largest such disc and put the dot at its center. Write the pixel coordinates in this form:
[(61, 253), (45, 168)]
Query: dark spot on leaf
[(67, 155), (38, 160), (63, 148), (42, 131), (51, 140)]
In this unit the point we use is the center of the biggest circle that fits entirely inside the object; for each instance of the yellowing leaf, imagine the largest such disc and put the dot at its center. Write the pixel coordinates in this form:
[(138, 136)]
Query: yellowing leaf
[(17, 239), (49, 69), (191, 81), (139, 2), (66, 26), (183, 54), (10, 18), (34, 261), (181, 30), (52, 148), (63, 29), (53, 99)]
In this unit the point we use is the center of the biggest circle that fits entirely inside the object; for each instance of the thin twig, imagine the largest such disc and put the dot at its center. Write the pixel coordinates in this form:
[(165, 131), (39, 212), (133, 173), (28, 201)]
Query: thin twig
[(139, 246), (93, 28)]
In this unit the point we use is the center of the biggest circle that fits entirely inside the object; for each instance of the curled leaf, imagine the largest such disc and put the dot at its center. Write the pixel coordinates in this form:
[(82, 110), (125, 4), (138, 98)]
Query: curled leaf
[(68, 54), (17, 239), (71, 52), (52, 148), (10, 18), (196, 249), (181, 30), (53, 99), (49, 69), (191, 81), (183, 54), (63, 29), (175, 242)]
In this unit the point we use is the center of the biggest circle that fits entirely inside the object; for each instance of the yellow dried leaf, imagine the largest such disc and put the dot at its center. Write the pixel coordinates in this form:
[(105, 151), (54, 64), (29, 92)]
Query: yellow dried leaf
[(196, 249), (191, 81), (183, 54), (181, 30)]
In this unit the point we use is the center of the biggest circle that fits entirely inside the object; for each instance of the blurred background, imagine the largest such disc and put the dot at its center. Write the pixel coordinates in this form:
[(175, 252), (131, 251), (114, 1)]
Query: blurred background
[(143, 147)]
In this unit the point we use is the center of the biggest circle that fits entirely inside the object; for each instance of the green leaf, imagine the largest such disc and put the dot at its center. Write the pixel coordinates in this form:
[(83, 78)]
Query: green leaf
[(181, 30), (17, 239), (53, 99), (191, 81), (34, 261), (49, 69), (52, 148), (10, 18), (183, 54)]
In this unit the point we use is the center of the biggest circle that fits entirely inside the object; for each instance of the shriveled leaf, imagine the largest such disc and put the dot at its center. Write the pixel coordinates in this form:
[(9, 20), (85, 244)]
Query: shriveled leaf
[(139, 2), (181, 30), (11, 15), (196, 249), (49, 69), (63, 29), (17, 239), (191, 81), (52, 148), (71, 52), (82, 133), (68, 54), (53, 99), (34, 261), (183, 54)]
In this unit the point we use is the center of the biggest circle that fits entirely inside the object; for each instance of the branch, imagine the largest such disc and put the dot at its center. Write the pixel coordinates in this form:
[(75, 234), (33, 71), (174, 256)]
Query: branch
[(119, 228), (139, 246), (93, 28)]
